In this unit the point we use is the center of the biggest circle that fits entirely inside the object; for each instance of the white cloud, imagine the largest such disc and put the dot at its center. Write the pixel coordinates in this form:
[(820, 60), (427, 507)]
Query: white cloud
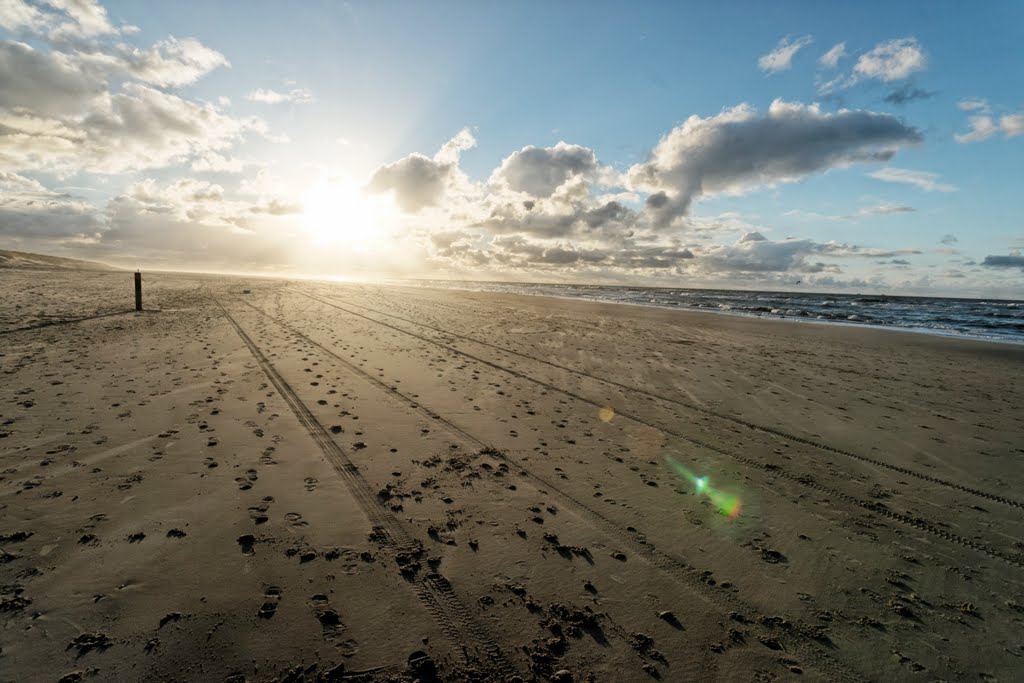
[(171, 62), (830, 59), (984, 124), (137, 128), (982, 128), (48, 84), (1012, 125), (973, 105), (80, 100), (781, 58), (892, 60), (213, 162), (541, 171), (30, 210), (740, 150), (88, 19), (17, 15), (929, 182), (73, 20), (296, 95), (863, 212)]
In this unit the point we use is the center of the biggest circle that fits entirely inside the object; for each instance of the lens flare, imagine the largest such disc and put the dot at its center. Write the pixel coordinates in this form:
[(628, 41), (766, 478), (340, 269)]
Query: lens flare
[(726, 503)]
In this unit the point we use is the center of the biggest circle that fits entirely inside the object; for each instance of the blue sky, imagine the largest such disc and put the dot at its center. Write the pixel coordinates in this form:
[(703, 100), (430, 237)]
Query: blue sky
[(315, 138)]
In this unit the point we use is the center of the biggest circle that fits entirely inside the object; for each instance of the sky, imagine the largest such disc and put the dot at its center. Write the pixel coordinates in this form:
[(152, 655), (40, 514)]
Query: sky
[(793, 145)]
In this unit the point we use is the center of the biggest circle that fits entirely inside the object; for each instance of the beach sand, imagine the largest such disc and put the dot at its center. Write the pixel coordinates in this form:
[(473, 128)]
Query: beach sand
[(262, 480)]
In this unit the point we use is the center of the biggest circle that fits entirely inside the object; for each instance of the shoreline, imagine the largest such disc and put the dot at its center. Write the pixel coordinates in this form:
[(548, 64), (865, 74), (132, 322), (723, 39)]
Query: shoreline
[(741, 314)]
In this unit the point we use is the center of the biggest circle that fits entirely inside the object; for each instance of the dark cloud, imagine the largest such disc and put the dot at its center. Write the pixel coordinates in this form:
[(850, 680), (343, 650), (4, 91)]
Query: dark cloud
[(417, 181), (740, 150), (519, 252), (540, 171), (948, 240), (46, 83), (612, 212), (506, 219), (610, 218), (1011, 261), (908, 93)]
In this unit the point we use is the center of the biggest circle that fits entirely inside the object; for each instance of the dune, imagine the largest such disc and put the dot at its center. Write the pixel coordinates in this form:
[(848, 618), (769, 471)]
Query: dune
[(31, 261)]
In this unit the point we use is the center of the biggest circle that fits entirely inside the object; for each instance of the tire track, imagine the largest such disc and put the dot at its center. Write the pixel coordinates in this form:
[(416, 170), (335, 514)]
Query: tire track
[(680, 571), (706, 411), (773, 470), (69, 321), (432, 589)]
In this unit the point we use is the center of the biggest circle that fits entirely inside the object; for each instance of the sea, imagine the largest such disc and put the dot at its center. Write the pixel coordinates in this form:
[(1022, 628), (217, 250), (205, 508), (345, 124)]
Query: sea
[(987, 319)]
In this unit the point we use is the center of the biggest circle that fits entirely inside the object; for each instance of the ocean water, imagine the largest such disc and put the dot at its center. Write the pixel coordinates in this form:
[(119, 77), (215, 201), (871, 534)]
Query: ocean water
[(989, 319)]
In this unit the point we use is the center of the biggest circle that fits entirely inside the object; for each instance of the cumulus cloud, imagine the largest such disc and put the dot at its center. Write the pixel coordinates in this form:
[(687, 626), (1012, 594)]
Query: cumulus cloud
[(170, 62), (87, 18), (101, 106), (982, 128), (137, 128), (30, 210), (781, 58), (986, 126), (57, 20), (541, 171), (752, 253), (418, 181), (929, 182), (46, 83), (213, 162), (892, 60), (1012, 125), (830, 59), (266, 96), (740, 150)]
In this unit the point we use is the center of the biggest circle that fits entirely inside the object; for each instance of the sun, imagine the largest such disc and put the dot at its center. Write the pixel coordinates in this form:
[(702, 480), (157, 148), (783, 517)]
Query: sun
[(339, 213)]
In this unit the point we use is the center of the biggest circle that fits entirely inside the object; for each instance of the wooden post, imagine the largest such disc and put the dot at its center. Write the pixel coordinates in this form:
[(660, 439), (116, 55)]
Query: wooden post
[(138, 291)]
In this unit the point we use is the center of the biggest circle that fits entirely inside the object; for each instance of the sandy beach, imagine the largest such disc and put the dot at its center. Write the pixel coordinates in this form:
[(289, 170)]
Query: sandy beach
[(259, 480)]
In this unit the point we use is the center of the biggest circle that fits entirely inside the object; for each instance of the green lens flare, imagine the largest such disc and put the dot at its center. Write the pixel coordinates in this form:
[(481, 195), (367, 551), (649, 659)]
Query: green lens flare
[(726, 503)]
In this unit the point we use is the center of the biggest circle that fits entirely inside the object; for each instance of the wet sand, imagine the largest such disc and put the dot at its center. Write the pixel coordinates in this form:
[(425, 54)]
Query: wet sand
[(316, 481)]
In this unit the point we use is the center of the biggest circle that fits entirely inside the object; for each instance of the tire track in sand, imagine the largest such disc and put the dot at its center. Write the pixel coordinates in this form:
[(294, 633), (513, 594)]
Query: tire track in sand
[(875, 508), (701, 409), (798, 637), (432, 589)]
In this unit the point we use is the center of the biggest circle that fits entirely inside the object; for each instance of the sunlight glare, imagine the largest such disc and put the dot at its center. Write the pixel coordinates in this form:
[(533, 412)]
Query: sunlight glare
[(338, 212)]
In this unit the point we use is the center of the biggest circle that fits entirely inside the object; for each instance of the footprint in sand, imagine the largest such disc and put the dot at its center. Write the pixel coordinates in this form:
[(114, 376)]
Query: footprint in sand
[(272, 596), (311, 483), (332, 625), (246, 543), (258, 513), (295, 519)]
